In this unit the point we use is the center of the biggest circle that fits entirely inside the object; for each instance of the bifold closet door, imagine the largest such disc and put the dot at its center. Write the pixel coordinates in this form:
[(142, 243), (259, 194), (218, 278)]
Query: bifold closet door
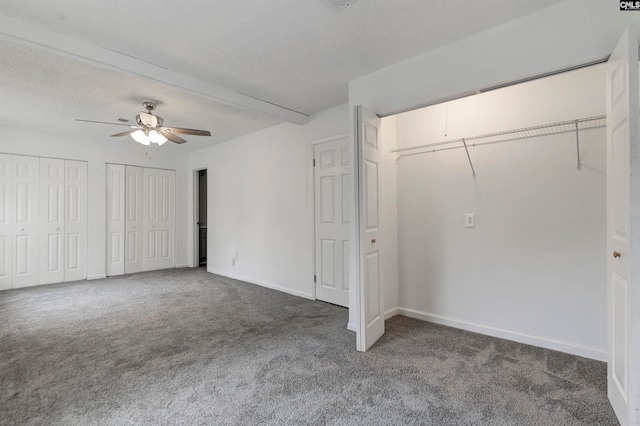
[(158, 209), (115, 218), (51, 220), (75, 220), (134, 220), (6, 221), (26, 171)]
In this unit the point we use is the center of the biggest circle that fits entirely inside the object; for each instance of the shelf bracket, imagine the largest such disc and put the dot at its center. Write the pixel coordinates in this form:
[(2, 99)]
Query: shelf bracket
[(473, 171), (578, 146)]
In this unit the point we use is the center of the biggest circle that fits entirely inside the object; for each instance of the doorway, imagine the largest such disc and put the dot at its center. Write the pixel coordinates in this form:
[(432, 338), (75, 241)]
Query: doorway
[(201, 217)]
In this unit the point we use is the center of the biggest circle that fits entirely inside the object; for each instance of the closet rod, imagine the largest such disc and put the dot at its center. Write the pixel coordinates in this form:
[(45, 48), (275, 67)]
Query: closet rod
[(509, 135)]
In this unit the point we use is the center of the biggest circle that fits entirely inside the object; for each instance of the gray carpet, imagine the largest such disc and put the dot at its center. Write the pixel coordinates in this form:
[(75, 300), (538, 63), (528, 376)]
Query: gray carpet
[(187, 347)]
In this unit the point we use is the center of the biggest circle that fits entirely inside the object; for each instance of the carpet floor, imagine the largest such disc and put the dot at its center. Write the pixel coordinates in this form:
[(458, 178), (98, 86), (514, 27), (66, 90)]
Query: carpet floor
[(183, 346)]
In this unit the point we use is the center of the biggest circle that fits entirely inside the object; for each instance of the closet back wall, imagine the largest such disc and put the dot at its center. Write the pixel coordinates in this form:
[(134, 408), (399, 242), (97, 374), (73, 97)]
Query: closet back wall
[(533, 269)]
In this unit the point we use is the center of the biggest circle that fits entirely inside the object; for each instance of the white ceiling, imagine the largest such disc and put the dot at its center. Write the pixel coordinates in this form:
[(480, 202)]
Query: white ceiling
[(299, 55)]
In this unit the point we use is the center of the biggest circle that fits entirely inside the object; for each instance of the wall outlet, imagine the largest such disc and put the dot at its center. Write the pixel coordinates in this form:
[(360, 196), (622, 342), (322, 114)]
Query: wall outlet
[(471, 220), (233, 261), (236, 256)]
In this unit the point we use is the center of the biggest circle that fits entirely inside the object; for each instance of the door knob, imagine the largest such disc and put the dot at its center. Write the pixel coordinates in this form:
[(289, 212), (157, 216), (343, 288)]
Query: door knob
[(57, 228), (21, 229), (616, 254), (373, 241)]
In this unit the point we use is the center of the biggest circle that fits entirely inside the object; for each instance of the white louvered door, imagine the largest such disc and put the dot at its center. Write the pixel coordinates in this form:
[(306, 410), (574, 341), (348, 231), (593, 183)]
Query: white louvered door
[(26, 185), (6, 221), (133, 220), (51, 239), (76, 221)]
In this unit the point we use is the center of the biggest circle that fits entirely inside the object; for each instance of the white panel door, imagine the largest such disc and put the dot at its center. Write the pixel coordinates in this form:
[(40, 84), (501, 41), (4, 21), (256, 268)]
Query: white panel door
[(76, 221), (332, 189), (26, 187), (134, 220), (115, 219), (371, 306), (158, 227), (51, 235), (623, 233), (6, 221)]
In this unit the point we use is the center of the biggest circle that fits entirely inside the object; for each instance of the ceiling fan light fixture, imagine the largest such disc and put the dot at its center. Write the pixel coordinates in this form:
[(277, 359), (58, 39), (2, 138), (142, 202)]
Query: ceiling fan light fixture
[(156, 137), (140, 137)]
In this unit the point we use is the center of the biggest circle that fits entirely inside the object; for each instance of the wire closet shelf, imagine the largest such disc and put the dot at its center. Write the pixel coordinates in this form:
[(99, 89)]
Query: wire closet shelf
[(507, 136)]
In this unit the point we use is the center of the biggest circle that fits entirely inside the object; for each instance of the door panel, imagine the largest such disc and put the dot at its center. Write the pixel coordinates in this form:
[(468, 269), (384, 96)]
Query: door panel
[(51, 220), (115, 219), (158, 219), (331, 221), (26, 171), (370, 303), (6, 221), (134, 220), (623, 238), (76, 220)]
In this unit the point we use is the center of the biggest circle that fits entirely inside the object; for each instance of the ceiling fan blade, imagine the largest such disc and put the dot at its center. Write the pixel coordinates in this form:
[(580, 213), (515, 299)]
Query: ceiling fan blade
[(104, 122), (184, 131), (172, 137), (128, 132)]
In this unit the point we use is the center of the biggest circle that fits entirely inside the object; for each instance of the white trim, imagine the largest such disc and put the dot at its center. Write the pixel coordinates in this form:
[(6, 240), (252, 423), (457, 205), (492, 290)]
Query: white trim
[(183, 265), (330, 138), (96, 277), (391, 313), (351, 327), (542, 342), (77, 49), (262, 283)]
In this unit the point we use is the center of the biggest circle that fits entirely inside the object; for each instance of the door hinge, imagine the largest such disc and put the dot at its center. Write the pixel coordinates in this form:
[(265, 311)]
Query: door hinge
[(314, 162), (314, 278)]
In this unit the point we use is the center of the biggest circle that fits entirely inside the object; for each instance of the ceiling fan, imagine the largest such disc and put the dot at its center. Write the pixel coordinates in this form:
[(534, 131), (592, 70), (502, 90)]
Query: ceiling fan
[(150, 128)]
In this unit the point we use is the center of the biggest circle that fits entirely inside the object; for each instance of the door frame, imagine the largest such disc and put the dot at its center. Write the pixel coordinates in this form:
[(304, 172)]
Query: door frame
[(195, 228)]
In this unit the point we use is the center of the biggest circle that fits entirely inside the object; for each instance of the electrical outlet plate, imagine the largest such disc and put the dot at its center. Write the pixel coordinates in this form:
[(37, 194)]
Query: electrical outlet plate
[(471, 220)]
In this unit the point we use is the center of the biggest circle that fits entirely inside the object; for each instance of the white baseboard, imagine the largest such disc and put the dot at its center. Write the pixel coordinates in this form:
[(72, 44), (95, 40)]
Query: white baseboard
[(351, 327), (266, 284), (391, 313), (183, 265), (96, 277), (505, 334)]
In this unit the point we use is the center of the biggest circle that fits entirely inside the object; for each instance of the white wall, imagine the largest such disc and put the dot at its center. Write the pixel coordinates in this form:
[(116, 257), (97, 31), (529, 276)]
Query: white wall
[(97, 153), (260, 203), (534, 268)]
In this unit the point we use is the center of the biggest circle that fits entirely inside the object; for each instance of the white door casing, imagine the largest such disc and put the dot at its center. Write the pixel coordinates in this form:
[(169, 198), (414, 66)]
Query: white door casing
[(52, 218), (26, 189), (623, 236), (134, 220), (76, 220), (115, 218), (368, 171), (158, 227), (332, 246), (6, 221)]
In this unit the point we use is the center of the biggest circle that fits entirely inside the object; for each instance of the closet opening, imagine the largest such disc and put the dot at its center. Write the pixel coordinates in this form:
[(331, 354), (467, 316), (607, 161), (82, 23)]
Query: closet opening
[(201, 217), (494, 213)]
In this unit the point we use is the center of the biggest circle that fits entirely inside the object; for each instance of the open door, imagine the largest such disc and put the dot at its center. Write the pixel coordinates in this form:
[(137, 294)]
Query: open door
[(370, 303), (623, 235)]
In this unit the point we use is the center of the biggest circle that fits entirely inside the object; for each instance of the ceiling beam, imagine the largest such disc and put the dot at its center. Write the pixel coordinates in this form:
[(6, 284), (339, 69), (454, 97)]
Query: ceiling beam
[(61, 44)]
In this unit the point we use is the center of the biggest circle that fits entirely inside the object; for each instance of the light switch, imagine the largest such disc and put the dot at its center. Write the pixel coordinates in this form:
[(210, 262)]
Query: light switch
[(471, 220)]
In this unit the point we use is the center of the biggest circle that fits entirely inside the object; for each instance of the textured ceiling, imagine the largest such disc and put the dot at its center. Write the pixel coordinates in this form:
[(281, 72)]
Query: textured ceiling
[(296, 54)]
